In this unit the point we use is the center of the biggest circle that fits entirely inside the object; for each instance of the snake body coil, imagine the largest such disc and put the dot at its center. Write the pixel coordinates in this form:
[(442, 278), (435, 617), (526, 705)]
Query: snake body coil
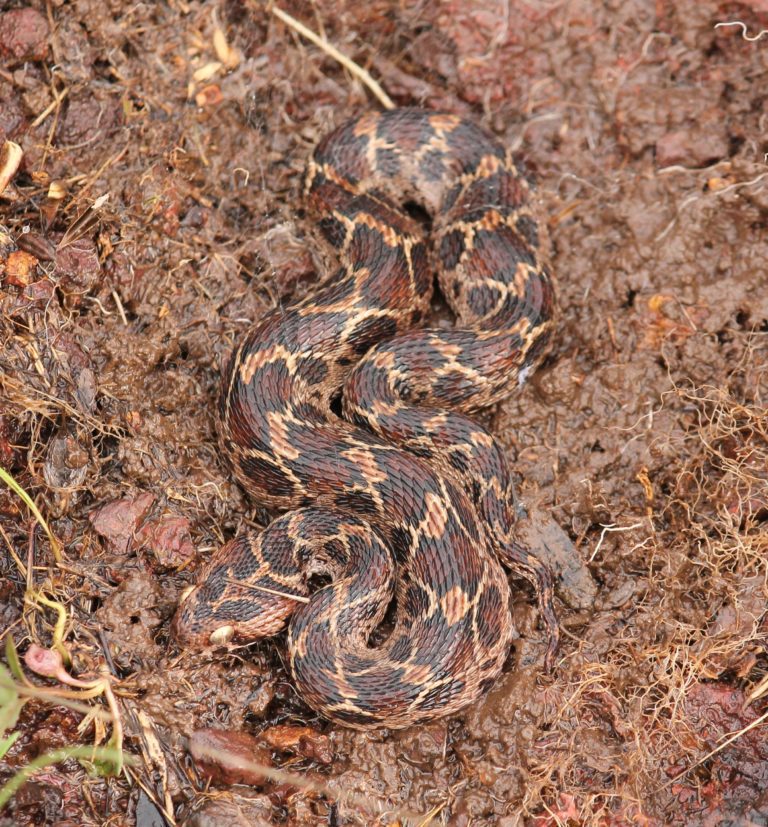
[(404, 496)]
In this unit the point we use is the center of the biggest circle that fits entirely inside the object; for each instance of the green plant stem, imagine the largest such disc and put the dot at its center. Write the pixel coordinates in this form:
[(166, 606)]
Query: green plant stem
[(102, 754)]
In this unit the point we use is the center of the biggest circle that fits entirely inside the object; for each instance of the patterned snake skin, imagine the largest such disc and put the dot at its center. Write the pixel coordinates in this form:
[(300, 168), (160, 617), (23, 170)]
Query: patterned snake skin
[(403, 495)]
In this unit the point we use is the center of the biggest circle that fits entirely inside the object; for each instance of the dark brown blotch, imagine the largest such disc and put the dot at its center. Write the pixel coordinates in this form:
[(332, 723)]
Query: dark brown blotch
[(482, 298), (370, 331), (311, 369), (490, 616), (267, 476), (528, 229), (452, 247)]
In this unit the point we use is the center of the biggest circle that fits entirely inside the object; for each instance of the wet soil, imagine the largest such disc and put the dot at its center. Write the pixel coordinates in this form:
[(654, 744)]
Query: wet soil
[(157, 213)]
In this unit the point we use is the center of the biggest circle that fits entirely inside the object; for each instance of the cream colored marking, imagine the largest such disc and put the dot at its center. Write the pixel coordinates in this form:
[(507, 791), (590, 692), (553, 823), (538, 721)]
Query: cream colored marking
[(300, 643), (522, 275), (455, 604), (491, 220), (364, 459), (254, 361), (381, 408), (293, 584), (355, 319), (249, 366), (453, 366), (417, 674), (446, 348), (373, 145), (343, 686), (488, 281), (434, 522), (430, 688), (495, 486), (520, 327), (437, 142), (366, 124), (443, 123), (278, 433), (330, 173), (348, 706), (391, 236), (436, 423), (384, 359), (513, 217), (475, 605), (482, 438), (247, 482), (430, 592), (489, 165), (309, 179)]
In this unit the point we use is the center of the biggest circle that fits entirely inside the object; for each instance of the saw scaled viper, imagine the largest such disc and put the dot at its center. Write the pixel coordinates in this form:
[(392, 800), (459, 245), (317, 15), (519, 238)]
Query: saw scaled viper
[(402, 499)]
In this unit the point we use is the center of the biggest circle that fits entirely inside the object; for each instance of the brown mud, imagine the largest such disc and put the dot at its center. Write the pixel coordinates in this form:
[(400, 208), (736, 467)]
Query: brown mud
[(156, 213)]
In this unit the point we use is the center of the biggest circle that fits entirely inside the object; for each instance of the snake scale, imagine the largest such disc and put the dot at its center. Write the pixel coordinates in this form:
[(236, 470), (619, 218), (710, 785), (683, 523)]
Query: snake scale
[(402, 496)]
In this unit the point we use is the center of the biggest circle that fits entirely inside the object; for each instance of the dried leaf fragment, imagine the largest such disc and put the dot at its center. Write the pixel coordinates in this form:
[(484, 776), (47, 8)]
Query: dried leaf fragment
[(10, 158)]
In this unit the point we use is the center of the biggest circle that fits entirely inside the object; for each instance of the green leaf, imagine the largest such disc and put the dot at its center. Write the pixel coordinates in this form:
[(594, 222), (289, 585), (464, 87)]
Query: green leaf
[(12, 656), (10, 702)]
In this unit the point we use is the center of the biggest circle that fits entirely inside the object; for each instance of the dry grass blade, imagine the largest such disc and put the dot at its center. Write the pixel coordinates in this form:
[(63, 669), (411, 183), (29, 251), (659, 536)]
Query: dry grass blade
[(744, 34), (348, 64), (719, 748), (17, 489), (57, 697), (430, 816), (55, 104), (759, 690), (24, 398), (253, 587)]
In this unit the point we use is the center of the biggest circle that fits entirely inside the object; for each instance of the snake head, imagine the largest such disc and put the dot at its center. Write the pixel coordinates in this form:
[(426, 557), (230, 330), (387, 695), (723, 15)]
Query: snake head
[(226, 605), (196, 624), (208, 618)]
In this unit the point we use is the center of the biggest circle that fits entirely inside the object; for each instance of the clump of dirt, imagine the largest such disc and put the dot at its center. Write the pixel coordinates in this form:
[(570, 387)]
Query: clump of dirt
[(156, 214)]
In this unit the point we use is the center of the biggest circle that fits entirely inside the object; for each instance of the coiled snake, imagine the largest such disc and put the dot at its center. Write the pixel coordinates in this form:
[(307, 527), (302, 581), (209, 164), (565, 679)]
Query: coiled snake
[(403, 495)]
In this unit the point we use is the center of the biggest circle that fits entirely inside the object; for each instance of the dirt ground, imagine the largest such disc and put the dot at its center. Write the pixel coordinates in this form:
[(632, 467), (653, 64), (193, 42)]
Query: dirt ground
[(157, 212)]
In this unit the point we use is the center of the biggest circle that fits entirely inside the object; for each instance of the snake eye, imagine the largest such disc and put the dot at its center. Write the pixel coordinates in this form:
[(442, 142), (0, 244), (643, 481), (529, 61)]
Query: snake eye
[(222, 635), (186, 593)]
